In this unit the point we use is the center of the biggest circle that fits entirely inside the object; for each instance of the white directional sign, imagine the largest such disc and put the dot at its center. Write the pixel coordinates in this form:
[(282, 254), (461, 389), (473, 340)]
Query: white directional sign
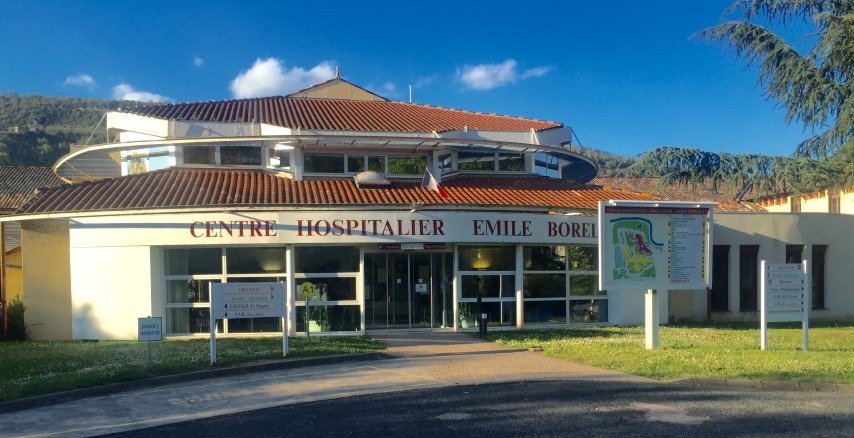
[(784, 291), (785, 296), (248, 300)]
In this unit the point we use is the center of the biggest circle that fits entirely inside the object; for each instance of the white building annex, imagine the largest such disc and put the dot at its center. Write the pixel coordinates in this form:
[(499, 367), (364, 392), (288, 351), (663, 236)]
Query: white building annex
[(325, 186)]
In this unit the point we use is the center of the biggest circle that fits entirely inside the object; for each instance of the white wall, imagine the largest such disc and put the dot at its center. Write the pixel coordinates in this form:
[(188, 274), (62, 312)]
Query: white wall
[(110, 289), (46, 279)]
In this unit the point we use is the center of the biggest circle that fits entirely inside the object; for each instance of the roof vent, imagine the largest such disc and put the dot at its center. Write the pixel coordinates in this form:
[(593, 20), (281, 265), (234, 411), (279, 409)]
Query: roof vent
[(370, 180)]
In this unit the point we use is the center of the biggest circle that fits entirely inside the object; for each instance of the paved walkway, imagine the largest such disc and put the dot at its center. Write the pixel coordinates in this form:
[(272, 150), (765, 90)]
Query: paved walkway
[(463, 359), (414, 360)]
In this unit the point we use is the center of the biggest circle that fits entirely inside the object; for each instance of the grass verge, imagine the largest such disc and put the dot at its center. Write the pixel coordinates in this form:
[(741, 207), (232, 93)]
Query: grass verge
[(33, 368), (728, 351)]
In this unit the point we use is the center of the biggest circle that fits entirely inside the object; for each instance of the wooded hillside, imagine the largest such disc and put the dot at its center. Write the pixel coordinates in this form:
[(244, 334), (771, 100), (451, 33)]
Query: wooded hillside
[(37, 130)]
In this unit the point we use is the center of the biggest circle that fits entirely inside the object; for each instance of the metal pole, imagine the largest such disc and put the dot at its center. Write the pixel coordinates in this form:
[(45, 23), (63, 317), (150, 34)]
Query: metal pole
[(284, 336), (807, 304), (651, 326), (212, 325), (149, 356), (763, 312)]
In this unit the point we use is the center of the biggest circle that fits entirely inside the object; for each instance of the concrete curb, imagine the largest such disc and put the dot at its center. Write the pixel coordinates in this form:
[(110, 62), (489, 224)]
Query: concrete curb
[(113, 388), (767, 385)]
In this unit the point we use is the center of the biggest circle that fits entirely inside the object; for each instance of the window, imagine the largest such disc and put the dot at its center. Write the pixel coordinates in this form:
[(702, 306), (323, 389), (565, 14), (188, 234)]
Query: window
[(491, 161), (231, 155), (406, 165), (833, 201), (476, 161), (332, 271), (487, 258), (794, 253), (445, 163), (190, 274), (326, 259), (488, 272), (560, 285), (355, 163), (199, 155), (720, 278), (280, 158), (146, 160), (819, 253), (511, 162), (240, 155), (137, 163), (748, 279), (323, 163)]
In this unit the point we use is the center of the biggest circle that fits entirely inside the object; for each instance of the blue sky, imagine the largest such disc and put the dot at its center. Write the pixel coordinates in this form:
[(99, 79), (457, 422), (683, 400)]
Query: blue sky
[(624, 74)]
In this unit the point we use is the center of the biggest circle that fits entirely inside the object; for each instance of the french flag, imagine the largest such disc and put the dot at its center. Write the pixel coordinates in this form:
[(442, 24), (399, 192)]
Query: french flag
[(430, 182)]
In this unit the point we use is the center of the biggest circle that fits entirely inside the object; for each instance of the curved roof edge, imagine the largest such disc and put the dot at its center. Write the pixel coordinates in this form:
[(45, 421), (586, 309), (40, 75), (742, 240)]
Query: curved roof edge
[(96, 161)]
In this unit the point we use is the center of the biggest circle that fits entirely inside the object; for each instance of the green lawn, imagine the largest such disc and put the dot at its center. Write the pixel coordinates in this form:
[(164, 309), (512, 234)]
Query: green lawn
[(33, 368), (711, 351)]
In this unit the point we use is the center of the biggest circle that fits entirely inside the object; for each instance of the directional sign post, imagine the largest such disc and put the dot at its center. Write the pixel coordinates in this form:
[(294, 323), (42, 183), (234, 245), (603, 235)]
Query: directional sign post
[(247, 300), (785, 296)]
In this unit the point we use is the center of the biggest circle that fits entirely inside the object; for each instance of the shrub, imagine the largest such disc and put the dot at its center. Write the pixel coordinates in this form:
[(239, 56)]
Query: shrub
[(17, 328)]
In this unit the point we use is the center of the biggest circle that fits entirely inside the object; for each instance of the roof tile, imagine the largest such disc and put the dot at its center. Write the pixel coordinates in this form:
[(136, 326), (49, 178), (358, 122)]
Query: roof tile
[(213, 187), (18, 182), (333, 114)]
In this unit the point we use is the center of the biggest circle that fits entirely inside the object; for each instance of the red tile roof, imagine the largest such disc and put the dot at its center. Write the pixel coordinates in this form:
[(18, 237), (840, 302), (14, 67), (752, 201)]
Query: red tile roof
[(724, 196), (18, 182), (212, 187), (347, 115)]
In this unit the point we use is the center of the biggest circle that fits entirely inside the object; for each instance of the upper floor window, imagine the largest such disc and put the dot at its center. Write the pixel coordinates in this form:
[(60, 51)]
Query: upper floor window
[(145, 160), (796, 204), (355, 163), (491, 161), (833, 202), (240, 155), (223, 155)]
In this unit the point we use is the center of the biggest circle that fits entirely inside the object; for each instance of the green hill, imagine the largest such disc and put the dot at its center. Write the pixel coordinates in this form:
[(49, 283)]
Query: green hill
[(37, 130)]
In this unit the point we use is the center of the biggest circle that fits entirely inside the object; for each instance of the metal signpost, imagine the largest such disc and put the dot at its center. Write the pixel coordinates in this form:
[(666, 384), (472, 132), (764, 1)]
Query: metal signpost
[(150, 329), (654, 246), (247, 300), (785, 296)]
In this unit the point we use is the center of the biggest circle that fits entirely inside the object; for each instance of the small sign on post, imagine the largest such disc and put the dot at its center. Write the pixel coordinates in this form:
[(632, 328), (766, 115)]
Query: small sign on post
[(150, 329)]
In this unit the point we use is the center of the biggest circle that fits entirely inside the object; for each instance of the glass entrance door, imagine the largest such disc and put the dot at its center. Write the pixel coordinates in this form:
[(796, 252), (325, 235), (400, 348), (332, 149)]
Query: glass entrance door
[(406, 291)]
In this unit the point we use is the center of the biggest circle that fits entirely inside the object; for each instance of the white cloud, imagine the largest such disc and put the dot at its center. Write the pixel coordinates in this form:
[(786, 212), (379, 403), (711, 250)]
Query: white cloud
[(81, 80), (126, 92), (488, 76), (536, 72), (198, 61), (424, 81), (268, 77), (387, 90)]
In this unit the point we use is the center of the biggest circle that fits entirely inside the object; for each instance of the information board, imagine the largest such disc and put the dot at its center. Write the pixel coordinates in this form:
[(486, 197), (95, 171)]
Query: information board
[(248, 300), (654, 245), (784, 292)]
